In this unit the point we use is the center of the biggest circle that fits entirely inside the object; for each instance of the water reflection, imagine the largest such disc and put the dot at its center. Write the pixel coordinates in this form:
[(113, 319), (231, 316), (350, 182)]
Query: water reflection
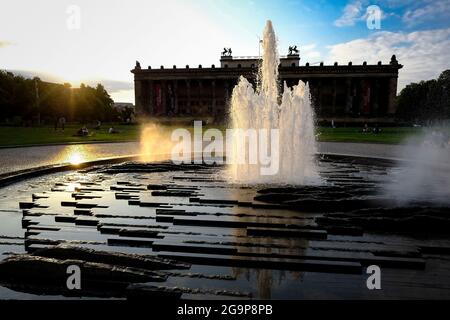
[(76, 154), (14, 159), (266, 281)]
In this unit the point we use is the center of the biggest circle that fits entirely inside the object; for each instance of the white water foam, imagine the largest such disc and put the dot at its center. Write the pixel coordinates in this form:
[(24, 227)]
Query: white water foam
[(292, 114)]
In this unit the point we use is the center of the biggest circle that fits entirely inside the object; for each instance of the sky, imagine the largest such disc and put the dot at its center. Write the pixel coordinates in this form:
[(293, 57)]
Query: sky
[(98, 41)]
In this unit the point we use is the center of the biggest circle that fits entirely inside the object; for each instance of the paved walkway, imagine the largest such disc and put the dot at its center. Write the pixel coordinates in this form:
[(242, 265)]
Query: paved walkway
[(13, 159), (375, 150)]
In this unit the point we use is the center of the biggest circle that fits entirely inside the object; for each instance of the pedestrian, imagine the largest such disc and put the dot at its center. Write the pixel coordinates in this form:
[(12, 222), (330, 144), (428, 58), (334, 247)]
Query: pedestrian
[(62, 122)]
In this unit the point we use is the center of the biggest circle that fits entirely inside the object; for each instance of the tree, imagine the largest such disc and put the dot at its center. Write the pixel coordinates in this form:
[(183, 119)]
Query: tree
[(426, 101), (18, 100)]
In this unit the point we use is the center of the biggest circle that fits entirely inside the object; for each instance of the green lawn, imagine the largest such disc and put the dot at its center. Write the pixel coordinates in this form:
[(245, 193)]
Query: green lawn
[(391, 135), (45, 135), (10, 136)]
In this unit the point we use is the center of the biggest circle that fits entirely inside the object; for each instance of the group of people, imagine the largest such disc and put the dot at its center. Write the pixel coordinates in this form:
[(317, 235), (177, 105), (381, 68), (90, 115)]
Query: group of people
[(376, 129), (84, 131)]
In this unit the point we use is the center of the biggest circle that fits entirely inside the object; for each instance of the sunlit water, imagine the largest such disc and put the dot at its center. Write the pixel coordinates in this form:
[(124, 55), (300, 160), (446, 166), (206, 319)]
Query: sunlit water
[(15, 159)]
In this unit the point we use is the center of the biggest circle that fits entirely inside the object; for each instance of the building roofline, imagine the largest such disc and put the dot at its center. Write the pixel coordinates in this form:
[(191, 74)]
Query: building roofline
[(304, 69)]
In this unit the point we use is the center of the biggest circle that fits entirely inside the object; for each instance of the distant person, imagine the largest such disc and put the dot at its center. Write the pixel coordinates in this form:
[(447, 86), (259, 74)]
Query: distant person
[(83, 132), (376, 130), (98, 125), (62, 122), (113, 130), (366, 128), (332, 124)]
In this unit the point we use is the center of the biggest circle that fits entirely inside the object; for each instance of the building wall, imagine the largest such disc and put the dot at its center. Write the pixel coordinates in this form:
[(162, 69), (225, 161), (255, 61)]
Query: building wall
[(340, 93)]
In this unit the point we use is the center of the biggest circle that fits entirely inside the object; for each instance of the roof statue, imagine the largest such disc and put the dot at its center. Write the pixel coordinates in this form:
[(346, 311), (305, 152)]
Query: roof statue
[(227, 52), (293, 50), (394, 59)]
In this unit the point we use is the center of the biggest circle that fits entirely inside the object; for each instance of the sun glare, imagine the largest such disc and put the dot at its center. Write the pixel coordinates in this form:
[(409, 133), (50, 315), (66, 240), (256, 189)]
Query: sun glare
[(76, 158), (75, 155)]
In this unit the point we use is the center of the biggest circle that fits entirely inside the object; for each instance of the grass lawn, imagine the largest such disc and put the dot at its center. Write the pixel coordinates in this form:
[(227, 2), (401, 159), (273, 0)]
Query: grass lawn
[(391, 135), (10, 136), (45, 135)]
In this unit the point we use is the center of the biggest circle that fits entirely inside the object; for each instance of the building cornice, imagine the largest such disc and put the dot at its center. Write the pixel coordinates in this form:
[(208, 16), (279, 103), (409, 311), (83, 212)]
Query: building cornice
[(377, 70)]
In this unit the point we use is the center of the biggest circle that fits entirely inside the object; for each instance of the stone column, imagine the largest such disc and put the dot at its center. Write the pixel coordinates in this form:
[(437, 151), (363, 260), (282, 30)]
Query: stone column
[(375, 96), (175, 96), (391, 109), (164, 97), (369, 96), (333, 107), (138, 98), (188, 98), (213, 101), (227, 92), (151, 98), (361, 97), (200, 110), (349, 96)]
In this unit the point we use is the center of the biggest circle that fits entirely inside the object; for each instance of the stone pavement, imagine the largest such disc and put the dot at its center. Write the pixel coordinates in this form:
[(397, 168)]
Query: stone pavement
[(14, 159)]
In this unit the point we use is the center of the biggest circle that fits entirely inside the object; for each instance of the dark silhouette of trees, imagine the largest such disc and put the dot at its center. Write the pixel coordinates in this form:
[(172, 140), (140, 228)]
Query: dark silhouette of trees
[(426, 101), (26, 101)]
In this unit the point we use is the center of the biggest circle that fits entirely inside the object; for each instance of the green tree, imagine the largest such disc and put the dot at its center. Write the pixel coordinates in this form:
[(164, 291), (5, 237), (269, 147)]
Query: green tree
[(25, 99), (426, 101)]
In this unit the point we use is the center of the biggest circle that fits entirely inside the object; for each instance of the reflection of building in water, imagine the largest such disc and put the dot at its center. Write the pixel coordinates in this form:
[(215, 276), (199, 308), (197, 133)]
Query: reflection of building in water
[(266, 280), (345, 93)]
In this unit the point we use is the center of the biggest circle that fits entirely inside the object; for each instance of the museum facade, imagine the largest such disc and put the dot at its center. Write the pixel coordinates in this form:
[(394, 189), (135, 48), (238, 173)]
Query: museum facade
[(343, 93)]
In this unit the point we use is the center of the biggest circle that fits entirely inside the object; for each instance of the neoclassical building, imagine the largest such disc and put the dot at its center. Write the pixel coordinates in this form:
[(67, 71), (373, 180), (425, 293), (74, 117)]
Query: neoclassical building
[(343, 93)]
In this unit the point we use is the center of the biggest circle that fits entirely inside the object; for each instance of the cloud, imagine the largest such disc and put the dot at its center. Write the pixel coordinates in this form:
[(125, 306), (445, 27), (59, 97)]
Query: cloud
[(309, 47), (359, 11), (424, 54), (428, 11), (309, 51), (44, 76), (111, 85), (352, 13)]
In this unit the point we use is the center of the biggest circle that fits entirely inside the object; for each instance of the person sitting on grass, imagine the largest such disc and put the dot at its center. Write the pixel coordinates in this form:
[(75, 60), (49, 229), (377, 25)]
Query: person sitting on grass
[(376, 130), (83, 132), (113, 130), (366, 128)]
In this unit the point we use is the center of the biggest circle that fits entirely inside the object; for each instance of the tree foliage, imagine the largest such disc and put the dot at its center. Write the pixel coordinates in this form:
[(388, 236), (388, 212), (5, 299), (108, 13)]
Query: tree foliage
[(426, 101), (23, 100)]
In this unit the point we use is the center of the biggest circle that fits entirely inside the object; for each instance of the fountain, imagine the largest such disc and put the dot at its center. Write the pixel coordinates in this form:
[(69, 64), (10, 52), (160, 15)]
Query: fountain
[(290, 118), (157, 229)]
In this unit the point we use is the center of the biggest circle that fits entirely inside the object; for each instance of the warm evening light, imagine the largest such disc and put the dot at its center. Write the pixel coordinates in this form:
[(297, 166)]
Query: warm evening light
[(76, 158), (75, 154), (215, 159)]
